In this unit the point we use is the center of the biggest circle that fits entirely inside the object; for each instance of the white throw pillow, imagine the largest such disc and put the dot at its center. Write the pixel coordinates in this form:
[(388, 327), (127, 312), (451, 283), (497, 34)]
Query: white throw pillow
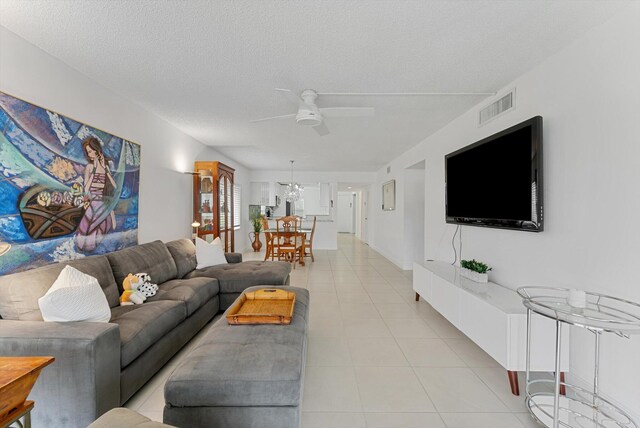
[(75, 296), (209, 254)]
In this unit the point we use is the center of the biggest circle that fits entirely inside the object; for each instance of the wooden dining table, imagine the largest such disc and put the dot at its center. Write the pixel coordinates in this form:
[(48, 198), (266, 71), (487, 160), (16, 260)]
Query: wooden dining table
[(300, 232)]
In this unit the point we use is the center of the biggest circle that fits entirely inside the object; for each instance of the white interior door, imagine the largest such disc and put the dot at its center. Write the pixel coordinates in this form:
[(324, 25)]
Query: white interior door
[(345, 212), (364, 225)]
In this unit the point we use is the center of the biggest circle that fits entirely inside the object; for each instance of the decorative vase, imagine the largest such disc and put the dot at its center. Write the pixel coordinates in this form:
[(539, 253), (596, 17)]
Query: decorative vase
[(256, 244), (474, 276)]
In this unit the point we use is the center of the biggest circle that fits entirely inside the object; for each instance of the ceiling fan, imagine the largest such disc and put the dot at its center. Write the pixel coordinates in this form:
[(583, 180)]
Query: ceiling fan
[(309, 114)]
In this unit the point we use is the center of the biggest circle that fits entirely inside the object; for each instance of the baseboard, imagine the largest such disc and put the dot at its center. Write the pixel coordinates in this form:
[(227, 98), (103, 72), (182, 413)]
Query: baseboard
[(401, 264)]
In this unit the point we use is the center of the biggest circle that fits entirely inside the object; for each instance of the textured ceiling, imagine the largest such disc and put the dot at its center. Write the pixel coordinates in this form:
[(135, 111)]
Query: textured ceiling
[(209, 67)]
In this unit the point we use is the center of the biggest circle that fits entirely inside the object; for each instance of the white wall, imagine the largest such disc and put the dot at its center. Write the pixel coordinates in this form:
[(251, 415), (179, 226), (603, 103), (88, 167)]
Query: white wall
[(589, 97), (29, 73), (386, 228), (414, 219)]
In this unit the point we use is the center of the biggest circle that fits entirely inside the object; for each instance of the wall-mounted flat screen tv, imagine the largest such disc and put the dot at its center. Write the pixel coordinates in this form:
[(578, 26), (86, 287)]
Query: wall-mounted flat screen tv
[(497, 181)]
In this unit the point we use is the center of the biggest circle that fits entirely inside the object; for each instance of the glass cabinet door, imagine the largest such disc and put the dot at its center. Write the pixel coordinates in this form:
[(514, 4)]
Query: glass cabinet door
[(226, 212), (206, 205), (222, 220)]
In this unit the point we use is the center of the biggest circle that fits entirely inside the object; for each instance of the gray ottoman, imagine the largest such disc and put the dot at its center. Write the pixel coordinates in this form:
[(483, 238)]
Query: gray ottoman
[(242, 375)]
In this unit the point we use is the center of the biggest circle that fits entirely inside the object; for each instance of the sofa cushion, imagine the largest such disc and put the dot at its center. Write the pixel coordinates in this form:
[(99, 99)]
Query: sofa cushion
[(236, 277), (153, 258), (143, 325), (244, 365), (184, 255), (19, 292), (233, 257), (193, 292)]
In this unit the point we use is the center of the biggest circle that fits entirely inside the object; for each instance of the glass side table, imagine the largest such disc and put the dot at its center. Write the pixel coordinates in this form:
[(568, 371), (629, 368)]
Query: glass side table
[(598, 313)]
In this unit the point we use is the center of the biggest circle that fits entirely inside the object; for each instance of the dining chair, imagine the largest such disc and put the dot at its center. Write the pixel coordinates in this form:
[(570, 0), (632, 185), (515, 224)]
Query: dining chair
[(287, 241), (268, 237), (308, 244)]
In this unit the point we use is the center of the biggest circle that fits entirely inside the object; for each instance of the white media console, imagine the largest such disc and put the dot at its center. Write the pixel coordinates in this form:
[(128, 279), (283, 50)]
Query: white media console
[(492, 316)]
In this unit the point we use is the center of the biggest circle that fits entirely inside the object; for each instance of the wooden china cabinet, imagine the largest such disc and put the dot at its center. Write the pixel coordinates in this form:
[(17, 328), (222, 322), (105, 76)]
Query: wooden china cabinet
[(213, 202)]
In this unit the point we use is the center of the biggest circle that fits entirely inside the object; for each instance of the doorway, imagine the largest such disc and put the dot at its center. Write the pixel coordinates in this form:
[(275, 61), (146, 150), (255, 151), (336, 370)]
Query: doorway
[(346, 212)]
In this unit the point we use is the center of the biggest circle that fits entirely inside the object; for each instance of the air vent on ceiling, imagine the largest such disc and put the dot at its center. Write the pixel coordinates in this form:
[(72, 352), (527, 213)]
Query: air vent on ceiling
[(497, 108), (388, 169)]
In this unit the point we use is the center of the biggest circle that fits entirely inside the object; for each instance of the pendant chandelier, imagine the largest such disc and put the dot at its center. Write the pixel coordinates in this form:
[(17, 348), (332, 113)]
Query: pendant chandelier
[(292, 191)]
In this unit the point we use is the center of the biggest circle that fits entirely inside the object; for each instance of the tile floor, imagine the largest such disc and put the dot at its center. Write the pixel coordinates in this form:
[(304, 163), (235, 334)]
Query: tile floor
[(377, 358)]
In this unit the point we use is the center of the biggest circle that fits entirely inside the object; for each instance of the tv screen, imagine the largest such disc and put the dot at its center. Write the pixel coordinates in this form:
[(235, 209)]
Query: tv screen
[(497, 182)]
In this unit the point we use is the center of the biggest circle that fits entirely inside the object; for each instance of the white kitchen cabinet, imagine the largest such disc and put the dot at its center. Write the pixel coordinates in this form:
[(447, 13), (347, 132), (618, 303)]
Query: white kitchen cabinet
[(262, 193), (325, 195)]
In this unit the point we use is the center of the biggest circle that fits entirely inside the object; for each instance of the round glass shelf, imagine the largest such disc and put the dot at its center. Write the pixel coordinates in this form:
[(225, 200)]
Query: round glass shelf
[(579, 408), (600, 312)]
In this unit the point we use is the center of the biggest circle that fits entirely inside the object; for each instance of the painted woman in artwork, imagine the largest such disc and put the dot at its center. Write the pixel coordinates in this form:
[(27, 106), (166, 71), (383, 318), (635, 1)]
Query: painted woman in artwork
[(99, 184)]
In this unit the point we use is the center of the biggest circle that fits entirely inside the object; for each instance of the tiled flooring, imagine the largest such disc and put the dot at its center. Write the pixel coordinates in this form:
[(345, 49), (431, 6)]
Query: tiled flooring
[(377, 358)]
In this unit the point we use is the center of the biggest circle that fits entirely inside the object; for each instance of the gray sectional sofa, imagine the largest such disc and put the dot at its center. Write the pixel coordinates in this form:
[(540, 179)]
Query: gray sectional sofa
[(99, 366)]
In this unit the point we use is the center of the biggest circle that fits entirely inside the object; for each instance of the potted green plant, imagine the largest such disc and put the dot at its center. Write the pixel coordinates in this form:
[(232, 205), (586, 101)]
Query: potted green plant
[(475, 270), (257, 228)]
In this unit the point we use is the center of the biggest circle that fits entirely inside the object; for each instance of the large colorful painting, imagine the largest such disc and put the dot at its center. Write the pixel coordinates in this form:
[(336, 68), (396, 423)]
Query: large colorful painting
[(67, 190)]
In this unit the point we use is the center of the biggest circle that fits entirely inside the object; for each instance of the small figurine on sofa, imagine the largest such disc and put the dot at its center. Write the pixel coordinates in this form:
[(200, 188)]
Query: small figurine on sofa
[(131, 295)]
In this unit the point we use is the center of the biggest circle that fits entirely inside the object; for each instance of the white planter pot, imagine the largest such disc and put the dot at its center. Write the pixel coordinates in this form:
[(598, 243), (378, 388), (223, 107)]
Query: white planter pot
[(474, 276)]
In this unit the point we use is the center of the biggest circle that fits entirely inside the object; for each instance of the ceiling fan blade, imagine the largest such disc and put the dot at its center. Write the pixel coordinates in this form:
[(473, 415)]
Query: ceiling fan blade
[(284, 116), (292, 97), (321, 129), (348, 111)]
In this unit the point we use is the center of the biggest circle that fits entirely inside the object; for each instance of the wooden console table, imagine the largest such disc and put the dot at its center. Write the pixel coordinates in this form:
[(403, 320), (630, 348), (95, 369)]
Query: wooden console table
[(492, 316), (17, 377)]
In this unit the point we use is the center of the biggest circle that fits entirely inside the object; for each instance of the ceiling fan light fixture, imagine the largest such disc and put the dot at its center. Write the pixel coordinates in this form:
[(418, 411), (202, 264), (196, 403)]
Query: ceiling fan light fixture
[(308, 118), (308, 113)]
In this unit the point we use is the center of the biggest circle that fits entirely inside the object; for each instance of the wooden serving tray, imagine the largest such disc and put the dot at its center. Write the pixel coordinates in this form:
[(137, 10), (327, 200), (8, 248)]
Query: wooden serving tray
[(265, 306)]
